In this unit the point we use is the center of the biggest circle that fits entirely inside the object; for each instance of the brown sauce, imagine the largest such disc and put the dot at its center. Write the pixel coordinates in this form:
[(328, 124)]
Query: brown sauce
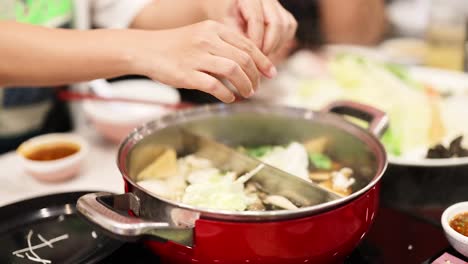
[(52, 151)]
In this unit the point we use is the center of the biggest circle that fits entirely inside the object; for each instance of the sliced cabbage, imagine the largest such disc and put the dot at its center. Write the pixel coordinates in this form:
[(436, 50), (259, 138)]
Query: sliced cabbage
[(292, 159), (212, 189), (316, 94), (348, 70), (385, 86)]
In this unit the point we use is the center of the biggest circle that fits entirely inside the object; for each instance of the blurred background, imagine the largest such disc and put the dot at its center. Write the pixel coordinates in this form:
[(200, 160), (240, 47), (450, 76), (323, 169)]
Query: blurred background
[(408, 58), (423, 32)]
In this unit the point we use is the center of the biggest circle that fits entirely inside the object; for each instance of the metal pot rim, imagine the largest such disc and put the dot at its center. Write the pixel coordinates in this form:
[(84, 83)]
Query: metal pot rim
[(308, 115)]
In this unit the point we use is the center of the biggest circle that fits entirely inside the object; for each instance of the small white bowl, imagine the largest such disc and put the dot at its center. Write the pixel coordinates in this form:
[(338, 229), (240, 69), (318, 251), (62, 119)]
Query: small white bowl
[(53, 170), (457, 240), (115, 120)]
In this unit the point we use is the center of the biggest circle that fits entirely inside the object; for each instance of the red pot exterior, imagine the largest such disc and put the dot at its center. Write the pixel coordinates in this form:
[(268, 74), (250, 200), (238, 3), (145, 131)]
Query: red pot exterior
[(324, 238)]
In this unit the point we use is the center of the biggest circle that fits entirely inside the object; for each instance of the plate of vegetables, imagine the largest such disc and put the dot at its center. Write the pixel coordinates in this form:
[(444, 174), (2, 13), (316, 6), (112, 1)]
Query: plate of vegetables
[(427, 107)]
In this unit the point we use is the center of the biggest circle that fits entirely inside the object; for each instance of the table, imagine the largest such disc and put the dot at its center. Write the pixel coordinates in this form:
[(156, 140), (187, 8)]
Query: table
[(417, 241), (99, 171), (394, 237)]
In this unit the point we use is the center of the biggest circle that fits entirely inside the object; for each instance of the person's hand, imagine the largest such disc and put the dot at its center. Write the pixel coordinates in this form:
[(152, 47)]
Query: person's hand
[(265, 22), (197, 56)]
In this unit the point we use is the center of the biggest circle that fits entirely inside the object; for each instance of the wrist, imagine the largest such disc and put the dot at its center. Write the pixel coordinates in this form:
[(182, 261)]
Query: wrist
[(126, 52), (212, 9), (142, 51)]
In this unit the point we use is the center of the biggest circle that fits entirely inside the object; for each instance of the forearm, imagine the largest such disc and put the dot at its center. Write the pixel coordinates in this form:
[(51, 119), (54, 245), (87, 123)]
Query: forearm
[(37, 56), (164, 14), (353, 21)]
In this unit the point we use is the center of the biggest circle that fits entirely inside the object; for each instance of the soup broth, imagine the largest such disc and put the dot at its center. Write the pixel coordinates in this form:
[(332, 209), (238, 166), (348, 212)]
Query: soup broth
[(53, 151)]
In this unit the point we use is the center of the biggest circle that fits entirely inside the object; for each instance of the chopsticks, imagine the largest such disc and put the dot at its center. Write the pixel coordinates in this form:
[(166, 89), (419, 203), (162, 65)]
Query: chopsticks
[(79, 96)]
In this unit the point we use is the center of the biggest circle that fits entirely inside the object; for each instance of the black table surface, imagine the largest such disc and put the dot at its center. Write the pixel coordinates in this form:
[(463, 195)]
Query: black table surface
[(395, 237)]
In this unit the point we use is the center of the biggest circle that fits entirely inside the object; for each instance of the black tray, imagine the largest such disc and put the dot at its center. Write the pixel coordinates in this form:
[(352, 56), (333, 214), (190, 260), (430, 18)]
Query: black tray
[(56, 233)]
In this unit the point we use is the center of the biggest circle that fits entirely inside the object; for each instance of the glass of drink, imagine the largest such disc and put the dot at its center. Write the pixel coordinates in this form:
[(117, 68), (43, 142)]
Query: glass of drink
[(446, 35)]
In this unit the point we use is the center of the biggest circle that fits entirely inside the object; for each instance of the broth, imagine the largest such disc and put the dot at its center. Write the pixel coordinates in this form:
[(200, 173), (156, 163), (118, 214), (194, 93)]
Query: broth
[(52, 151)]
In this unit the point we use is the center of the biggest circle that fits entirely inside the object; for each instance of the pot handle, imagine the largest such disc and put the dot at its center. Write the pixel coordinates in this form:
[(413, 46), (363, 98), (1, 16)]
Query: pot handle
[(378, 120), (124, 227)]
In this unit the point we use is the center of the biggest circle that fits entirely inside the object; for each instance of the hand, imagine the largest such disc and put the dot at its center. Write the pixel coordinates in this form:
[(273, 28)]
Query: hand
[(196, 56), (265, 22), (281, 54)]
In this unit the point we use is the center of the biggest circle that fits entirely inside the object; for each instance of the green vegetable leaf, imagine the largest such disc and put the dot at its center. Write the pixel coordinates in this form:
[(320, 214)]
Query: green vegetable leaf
[(392, 142), (320, 161), (403, 74), (258, 152), (398, 70)]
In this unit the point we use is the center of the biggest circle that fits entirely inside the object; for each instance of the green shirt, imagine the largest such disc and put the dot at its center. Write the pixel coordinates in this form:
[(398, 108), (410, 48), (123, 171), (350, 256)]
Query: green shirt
[(28, 111)]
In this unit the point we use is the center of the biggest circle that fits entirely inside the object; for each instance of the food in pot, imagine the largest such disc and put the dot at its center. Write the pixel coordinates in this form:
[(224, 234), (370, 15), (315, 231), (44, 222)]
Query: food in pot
[(304, 161), (292, 158), (195, 181), (460, 223), (163, 167), (340, 182)]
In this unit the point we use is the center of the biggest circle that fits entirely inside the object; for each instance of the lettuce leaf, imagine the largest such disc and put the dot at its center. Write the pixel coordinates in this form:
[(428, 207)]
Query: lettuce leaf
[(320, 161)]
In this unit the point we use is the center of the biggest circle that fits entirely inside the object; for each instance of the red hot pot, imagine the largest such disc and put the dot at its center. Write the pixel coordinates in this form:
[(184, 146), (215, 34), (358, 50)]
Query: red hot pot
[(179, 233)]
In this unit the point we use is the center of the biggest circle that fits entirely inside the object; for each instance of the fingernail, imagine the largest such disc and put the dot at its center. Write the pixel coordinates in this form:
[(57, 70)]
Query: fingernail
[(252, 92), (232, 99), (273, 72)]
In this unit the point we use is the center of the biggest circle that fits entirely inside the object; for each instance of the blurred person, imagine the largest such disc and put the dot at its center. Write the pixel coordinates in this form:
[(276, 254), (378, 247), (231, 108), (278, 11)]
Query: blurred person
[(353, 21), (180, 44), (361, 22)]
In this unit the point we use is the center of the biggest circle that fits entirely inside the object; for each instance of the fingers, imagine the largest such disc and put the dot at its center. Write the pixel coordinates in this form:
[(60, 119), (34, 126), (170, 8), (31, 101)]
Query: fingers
[(275, 27), (241, 57), (209, 84), (261, 61), (292, 25), (269, 25), (230, 70), (252, 12), (282, 53)]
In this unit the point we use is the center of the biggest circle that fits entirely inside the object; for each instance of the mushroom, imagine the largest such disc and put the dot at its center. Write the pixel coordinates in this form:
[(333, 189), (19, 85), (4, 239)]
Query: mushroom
[(340, 182), (320, 175), (280, 201), (257, 205), (329, 186)]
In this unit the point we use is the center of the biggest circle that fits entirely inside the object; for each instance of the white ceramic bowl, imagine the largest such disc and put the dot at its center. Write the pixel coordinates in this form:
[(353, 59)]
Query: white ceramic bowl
[(457, 240), (115, 120), (53, 170)]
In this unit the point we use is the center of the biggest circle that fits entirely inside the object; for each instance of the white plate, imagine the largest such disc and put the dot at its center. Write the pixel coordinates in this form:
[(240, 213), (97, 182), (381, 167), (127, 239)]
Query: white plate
[(278, 91), (444, 81)]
